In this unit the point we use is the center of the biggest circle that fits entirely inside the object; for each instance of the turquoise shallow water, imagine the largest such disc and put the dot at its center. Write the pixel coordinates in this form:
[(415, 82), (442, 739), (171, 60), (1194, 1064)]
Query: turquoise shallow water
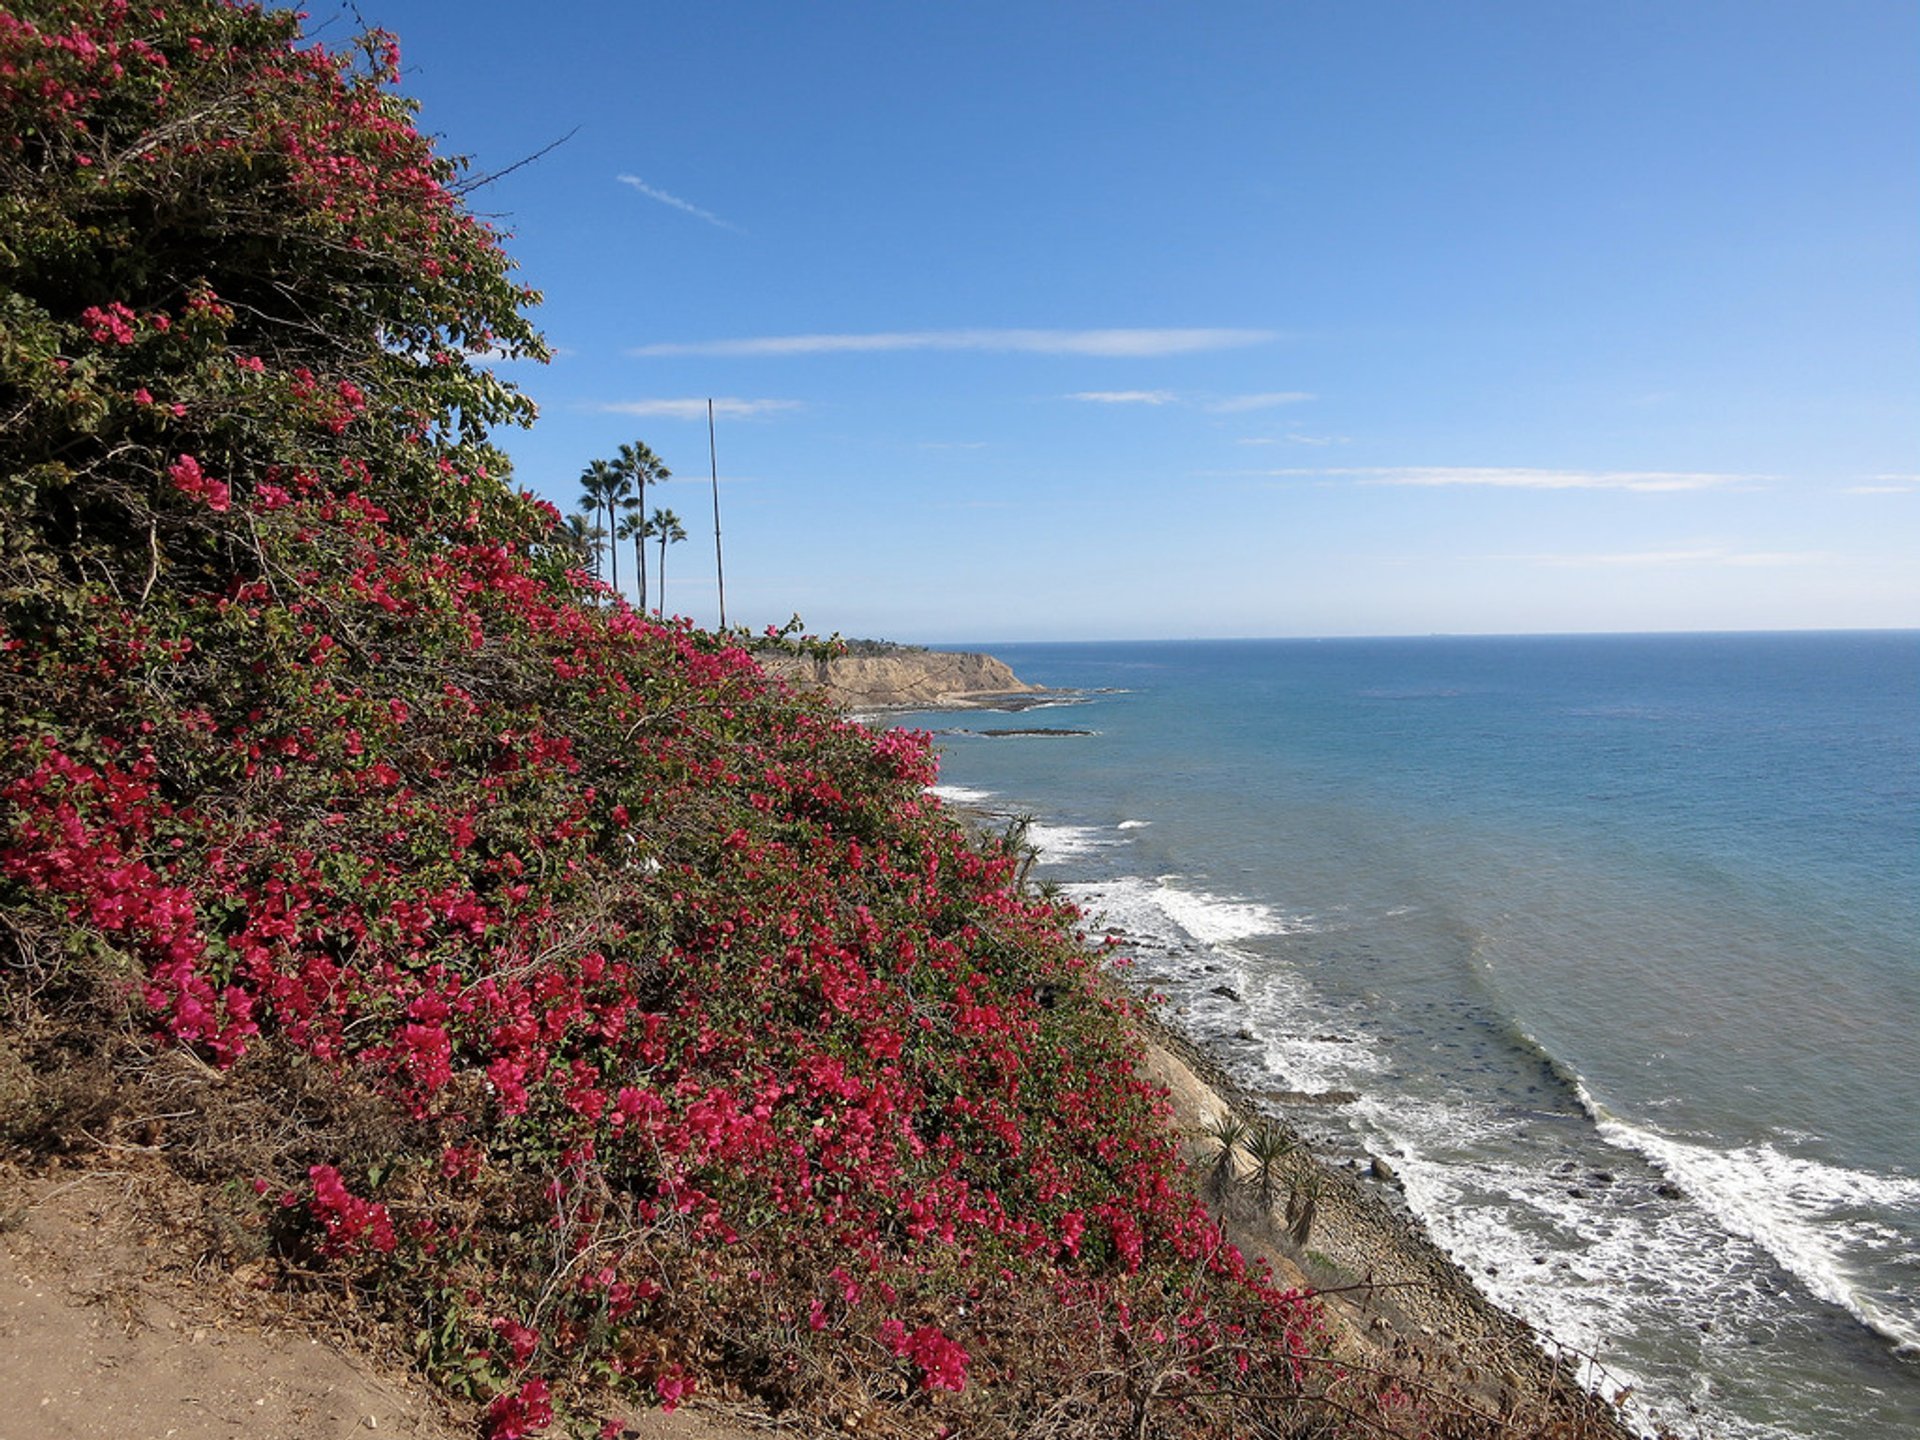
[(1616, 939)]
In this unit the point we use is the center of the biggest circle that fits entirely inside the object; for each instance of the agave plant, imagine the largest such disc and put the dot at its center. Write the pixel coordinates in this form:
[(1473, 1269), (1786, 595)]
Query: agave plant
[(1303, 1204), (1268, 1147), (1227, 1133), (1016, 842)]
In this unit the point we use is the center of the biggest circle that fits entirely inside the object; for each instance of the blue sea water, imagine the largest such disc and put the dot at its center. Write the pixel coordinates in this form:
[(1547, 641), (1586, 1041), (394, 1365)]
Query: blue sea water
[(1616, 940)]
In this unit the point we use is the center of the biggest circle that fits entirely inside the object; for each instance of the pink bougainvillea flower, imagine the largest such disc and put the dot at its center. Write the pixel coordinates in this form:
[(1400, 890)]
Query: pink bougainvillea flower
[(189, 479)]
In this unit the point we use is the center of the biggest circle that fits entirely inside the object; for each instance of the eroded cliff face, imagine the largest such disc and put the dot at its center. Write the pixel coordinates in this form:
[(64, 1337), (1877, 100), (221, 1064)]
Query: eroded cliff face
[(899, 678)]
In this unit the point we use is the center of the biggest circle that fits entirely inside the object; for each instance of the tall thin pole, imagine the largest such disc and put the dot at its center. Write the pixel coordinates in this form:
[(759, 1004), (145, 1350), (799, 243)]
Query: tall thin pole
[(719, 568)]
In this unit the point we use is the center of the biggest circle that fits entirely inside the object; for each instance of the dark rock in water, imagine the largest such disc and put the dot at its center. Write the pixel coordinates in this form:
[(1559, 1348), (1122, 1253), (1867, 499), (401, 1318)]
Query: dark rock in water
[(1381, 1170), (1245, 1032), (1602, 1177), (1225, 992), (1667, 1190), (1312, 1097), (1034, 730), (1576, 1192)]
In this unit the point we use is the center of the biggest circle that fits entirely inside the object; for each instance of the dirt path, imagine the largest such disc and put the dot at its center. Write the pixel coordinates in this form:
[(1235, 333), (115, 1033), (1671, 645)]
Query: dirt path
[(108, 1333)]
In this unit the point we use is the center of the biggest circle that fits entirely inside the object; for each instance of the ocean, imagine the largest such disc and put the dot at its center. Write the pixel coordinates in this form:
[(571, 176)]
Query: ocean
[(1610, 945)]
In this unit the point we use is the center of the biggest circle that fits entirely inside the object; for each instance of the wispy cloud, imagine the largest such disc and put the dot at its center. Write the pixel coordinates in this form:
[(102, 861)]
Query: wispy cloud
[(1126, 397), (1292, 439), (1518, 478), (1887, 485), (1240, 404), (1124, 344), (1710, 555), (697, 409), (677, 203), (1230, 405)]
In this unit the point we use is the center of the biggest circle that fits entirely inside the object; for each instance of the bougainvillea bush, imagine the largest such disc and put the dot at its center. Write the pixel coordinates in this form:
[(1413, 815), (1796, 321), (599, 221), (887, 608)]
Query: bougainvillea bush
[(632, 1028)]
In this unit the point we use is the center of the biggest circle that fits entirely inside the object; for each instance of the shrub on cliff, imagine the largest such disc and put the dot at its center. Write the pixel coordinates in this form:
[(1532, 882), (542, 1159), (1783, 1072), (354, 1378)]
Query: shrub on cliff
[(616, 1022)]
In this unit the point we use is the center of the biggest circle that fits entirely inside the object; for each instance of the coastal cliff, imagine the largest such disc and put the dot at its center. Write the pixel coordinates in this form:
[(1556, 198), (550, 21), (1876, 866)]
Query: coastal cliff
[(901, 677)]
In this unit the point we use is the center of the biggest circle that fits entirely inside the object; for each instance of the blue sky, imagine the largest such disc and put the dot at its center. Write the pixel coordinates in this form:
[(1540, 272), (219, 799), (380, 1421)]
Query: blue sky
[(1125, 320)]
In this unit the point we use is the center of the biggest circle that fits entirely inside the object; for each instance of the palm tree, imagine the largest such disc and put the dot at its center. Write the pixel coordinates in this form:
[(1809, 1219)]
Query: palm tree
[(618, 489), (581, 536), (597, 483), (642, 468), (635, 527), (719, 563), (666, 525)]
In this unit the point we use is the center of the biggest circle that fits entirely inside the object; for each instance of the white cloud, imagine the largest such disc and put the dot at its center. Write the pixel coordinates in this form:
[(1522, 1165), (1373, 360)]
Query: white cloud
[(697, 409), (677, 203), (1887, 485), (1694, 556), (1519, 478), (1293, 439), (1125, 397), (1106, 343), (1239, 404)]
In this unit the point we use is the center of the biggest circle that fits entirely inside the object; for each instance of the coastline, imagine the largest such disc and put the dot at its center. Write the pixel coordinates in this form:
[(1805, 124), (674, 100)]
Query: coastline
[(1391, 1295), (1393, 1298), (1477, 907)]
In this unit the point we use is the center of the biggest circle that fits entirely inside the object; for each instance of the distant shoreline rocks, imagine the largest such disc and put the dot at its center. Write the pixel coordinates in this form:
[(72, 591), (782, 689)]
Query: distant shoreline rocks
[(875, 676)]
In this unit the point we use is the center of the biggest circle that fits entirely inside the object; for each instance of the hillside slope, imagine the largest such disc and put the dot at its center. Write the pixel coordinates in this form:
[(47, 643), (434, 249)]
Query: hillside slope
[(548, 989)]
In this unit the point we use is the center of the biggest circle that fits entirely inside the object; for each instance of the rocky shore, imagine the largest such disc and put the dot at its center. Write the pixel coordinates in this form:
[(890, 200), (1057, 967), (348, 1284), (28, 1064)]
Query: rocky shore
[(1394, 1301)]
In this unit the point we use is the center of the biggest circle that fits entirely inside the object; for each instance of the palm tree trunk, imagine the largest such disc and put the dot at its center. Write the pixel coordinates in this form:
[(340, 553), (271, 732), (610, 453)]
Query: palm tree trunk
[(613, 547), (662, 611), (640, 481), (719, 565)]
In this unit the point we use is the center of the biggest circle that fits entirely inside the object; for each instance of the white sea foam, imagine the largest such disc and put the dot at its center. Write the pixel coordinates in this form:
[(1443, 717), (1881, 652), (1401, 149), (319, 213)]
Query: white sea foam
[(1189, 943), (1066, 842), (960, 794), (1567, 1266), (1794, 1208), (1597, 1261), (1218, 920), (1134, 824), (1056, 704), (1318, 1062), (1162, 910)]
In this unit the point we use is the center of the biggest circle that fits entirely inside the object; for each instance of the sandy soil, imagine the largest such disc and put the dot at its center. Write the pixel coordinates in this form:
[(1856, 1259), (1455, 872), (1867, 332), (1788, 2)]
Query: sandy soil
[(102, 1334), (109, 1331)]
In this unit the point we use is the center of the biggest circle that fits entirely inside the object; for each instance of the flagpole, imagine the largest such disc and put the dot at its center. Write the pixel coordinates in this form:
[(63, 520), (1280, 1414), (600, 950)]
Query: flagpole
[(719, 567)]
